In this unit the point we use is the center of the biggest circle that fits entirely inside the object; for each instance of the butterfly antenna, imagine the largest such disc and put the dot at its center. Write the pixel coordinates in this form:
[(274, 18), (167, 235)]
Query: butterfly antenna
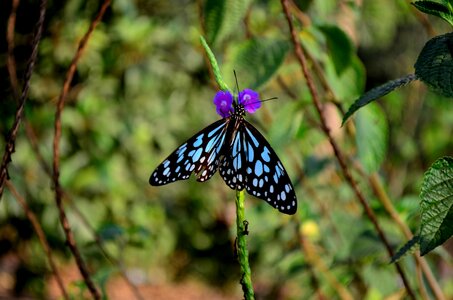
[(265, 100), (237, 84), (269, 99), (237, 88)]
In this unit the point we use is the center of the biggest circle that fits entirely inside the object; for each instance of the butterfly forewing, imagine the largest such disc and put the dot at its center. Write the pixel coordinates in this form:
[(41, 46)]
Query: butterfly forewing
[(200, 154), (251, 163)]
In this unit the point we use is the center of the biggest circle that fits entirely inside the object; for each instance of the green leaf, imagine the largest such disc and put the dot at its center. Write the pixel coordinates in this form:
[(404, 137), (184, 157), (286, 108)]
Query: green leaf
[(102, 276), (442, 10), (409, 247), (434, 65), (371, 137), (339, 45), (223, 17), (257, 60), (213, 18), (111, 232), (235, 12), (436, 205), (376, 93)]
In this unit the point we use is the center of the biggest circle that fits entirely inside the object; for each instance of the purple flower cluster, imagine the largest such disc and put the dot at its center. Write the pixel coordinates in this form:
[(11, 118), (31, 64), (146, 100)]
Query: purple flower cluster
[(223, 101), (250, 99)]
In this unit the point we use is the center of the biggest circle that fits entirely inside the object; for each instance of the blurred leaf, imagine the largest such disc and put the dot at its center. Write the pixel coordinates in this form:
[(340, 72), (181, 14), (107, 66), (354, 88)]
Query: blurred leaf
[(313, 164), (371, 137), (303, 5), (377, 93), (223, 17), (339, 45), (380, 281), (436, 205), (257, 60), (434, 65), (442, 10), (379, 23), (366, 245), (282, 131), (350, 83), (111, 232), (102, 276), (409, 247), (214, 14), (235, 12)]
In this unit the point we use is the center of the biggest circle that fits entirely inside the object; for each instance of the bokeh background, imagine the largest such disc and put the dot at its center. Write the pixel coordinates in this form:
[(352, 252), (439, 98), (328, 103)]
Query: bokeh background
[(144, 86)]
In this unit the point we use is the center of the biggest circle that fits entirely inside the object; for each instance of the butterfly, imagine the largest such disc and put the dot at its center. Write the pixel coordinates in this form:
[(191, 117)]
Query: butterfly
[(242, 155)]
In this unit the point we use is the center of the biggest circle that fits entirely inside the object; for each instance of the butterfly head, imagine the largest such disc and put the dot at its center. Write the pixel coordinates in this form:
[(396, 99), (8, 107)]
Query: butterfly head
[(247, 101)]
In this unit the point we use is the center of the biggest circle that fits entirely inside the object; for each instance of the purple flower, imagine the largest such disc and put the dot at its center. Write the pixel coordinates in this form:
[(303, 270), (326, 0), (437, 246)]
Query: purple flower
[(223, 101), (250, 99)]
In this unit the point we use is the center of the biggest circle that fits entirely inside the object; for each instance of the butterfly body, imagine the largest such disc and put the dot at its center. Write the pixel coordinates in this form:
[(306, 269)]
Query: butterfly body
[(244, 158)]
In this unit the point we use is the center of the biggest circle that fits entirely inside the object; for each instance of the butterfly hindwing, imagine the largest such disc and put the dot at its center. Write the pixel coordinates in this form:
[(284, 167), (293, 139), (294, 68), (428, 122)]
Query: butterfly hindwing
[(200, 154), (251, 163), (232, 163)]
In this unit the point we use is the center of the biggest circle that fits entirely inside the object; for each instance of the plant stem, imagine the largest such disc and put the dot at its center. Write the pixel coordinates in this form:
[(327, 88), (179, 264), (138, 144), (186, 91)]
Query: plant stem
[(215, 67), (71, 242), (241, 244), (10, 145), (241, 222)]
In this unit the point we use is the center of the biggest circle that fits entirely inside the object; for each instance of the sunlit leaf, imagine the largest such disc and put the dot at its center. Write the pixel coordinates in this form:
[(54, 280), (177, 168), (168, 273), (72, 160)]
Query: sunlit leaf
[(437, 205), (442, 10)]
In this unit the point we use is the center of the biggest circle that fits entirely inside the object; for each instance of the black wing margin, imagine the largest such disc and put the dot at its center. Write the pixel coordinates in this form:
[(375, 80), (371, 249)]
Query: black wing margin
[(200, 154), (251, 163)]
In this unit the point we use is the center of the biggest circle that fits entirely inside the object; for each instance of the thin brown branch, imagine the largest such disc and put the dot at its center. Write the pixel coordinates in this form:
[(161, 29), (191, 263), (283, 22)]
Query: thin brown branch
[(10, 61), (56, 155), (338, 154), (11, 141), (33, 141), (104, 251), (11, 67), (47, 169), (41, 235)]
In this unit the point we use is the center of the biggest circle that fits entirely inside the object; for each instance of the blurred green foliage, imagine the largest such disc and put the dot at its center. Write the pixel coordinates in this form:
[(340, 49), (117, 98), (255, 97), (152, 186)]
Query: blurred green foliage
[(143, 87)]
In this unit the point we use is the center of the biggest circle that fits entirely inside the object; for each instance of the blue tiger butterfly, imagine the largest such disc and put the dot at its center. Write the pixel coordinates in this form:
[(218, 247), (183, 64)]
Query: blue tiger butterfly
[(240, 152)]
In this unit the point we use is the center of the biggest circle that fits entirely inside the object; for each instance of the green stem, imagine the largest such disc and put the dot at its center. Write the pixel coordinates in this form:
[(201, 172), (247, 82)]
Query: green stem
[(242, 252), (215, 67), (241, 223)]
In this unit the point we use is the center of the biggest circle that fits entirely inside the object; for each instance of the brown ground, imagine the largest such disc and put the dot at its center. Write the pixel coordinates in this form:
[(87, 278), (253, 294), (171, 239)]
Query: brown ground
[(117, 289)]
